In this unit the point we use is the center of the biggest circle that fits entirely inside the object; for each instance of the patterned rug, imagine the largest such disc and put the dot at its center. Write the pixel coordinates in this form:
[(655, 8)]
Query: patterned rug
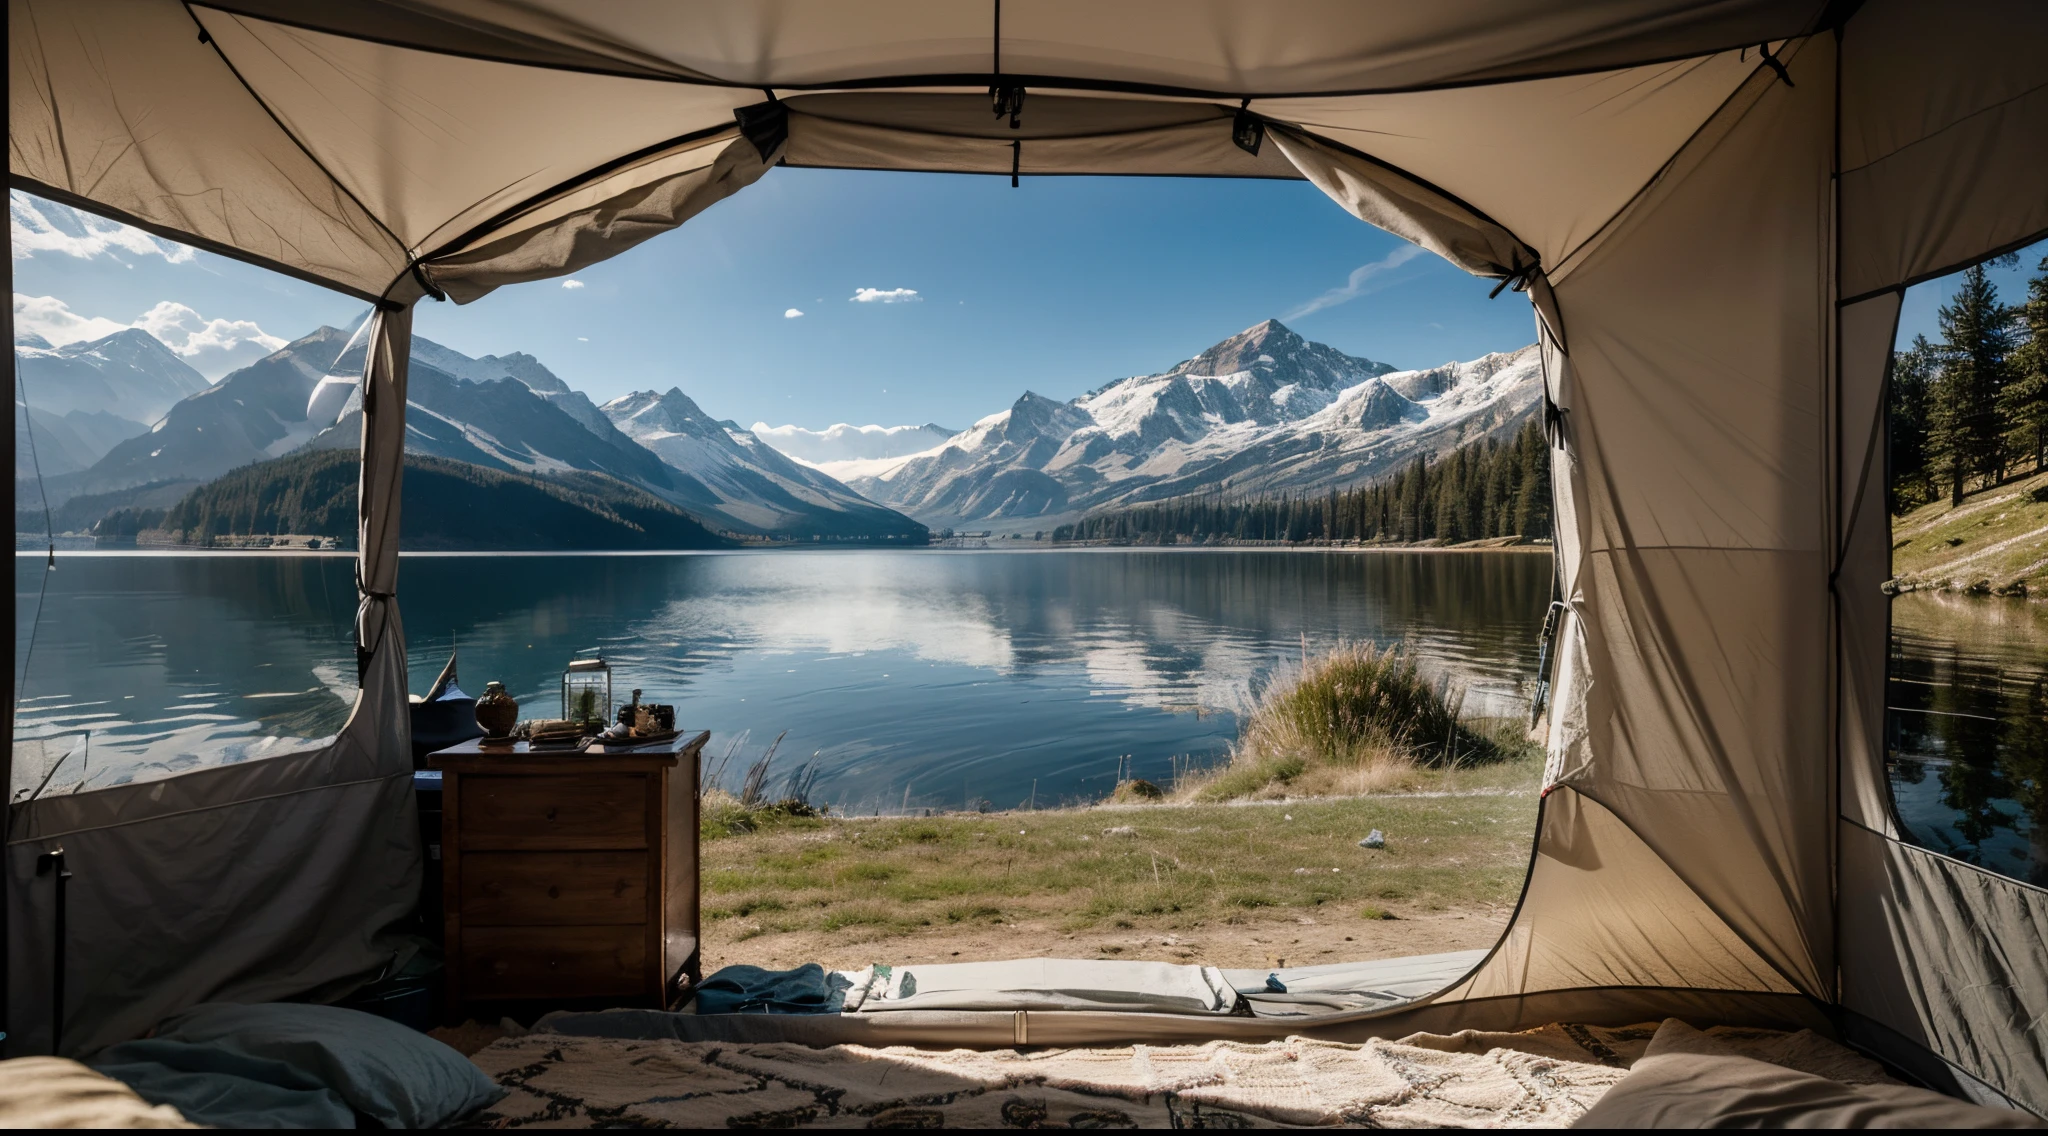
[(1542, 1078)]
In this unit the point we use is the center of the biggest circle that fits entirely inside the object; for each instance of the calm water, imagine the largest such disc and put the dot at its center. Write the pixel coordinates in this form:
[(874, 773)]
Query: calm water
[(922, 679), (912, 679), (1969, 729)]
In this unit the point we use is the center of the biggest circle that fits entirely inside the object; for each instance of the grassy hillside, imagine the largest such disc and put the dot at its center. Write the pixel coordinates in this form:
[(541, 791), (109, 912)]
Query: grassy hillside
[(447, 506), (1995, 541)]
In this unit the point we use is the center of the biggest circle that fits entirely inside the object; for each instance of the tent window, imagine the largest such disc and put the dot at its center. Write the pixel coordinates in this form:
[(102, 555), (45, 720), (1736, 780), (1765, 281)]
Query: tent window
[(1967, 682)]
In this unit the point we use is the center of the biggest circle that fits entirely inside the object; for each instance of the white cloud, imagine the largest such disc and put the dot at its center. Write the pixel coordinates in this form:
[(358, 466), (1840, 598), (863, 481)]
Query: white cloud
[(572, 285), (792, 314), (47, 227), (54, 320), (886, 296), (1356, 286), (212, 346), (582, 339)]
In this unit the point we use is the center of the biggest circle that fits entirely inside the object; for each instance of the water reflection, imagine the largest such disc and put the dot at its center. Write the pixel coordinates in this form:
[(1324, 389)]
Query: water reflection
[(1968, 729), (930, 679)]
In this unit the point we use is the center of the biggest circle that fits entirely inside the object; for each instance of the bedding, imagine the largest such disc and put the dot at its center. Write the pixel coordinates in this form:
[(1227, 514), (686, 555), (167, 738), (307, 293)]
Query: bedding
[(1542, 1078), (57, 1092), (1690, 1079), (291, 1065)]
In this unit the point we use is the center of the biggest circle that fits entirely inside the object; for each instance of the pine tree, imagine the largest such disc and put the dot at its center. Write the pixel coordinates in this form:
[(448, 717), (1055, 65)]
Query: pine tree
[(1965, 434), (2023, 404), (1914, 372)]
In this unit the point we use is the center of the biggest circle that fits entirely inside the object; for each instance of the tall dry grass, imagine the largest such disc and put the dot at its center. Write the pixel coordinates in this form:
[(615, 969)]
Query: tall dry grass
[(1355, 719)]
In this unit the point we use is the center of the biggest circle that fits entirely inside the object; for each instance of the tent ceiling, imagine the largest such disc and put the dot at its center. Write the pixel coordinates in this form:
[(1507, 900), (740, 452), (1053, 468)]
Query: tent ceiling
[(1220, 47), (433, 145), (347, 143)]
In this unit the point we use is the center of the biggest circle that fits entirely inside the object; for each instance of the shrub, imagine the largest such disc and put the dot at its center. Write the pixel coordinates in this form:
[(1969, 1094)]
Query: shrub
[(1354, 719)]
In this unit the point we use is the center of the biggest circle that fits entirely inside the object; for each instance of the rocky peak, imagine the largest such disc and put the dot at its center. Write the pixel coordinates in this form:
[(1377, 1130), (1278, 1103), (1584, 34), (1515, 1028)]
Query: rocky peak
[(1259, 347)]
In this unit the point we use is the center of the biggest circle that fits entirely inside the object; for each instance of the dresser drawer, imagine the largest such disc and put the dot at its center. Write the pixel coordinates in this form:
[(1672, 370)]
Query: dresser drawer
[(553, 888), (522, 812), (553, 962)]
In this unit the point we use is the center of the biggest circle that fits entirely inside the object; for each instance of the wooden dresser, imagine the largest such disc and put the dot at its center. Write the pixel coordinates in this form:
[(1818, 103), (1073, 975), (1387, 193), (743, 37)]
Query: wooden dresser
[(569, 877)]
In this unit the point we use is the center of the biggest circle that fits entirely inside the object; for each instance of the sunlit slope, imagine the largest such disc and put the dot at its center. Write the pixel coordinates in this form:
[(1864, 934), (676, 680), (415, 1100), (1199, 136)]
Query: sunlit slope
[(1995, 541)]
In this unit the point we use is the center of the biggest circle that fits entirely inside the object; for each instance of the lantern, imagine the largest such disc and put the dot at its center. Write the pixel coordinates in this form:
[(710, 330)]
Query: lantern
[(587, 691)]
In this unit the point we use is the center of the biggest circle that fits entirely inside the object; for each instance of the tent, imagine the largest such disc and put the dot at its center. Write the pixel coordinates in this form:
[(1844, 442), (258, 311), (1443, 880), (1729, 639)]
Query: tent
[(1714, 208)]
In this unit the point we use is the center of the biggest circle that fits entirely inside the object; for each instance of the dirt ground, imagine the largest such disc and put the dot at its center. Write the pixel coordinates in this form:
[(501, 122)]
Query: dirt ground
[(1297, 940)]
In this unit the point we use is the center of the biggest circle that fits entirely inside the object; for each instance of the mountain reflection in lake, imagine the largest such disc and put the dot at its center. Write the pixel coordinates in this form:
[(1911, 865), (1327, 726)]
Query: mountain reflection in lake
[(1968, 729), (913, 679)]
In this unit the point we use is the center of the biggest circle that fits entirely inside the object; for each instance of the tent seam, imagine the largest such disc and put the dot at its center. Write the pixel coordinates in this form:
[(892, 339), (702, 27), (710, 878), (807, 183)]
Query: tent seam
[(1937, 273), (204, 244), (207, 36), (982, 78), (1565, 265), (197, 809), (1987, 873)]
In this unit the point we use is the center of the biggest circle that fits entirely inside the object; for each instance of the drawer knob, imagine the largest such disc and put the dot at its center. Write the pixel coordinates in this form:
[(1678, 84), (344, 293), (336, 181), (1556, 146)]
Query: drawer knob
[(551, 813), (554, 893)]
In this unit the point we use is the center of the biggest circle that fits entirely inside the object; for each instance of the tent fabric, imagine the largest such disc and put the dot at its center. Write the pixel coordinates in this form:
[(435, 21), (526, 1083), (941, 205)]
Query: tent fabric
[(1863, 557), (268, 879), (1692, 409), (1949, 955), (1942, 118), (1713, 208), (1288, 46), (1583, 924)]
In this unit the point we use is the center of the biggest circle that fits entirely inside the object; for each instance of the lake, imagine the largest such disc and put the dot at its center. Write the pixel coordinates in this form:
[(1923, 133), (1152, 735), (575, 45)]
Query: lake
[(1968, 729), (912, 679), (921, 679)]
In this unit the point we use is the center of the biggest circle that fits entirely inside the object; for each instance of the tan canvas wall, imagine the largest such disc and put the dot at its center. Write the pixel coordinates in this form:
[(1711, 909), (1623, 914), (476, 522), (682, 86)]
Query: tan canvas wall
[(1944, 108), (265, 880), (1693, 400), (1951, 956), (1602, 911), (1863, 611)]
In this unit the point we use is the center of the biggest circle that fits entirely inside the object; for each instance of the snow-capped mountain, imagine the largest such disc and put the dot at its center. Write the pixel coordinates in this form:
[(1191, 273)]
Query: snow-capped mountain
[(504, 412), (734, 475), (130, 374), (1263, 410), (846, 443)]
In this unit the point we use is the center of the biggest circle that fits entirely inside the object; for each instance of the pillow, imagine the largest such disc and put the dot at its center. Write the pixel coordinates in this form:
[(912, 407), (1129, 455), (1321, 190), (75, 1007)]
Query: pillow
[(1688, 1079), (288, 1064)]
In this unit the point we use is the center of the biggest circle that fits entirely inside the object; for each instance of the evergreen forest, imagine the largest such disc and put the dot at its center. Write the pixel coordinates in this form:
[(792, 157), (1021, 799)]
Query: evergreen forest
[(1971, 412), (444, 505), (1492, 488)]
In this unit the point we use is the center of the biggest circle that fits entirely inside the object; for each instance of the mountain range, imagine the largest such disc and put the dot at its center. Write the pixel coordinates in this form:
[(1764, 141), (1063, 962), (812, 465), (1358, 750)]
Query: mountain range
[(85, 398), (505, 413), (1262, 411)]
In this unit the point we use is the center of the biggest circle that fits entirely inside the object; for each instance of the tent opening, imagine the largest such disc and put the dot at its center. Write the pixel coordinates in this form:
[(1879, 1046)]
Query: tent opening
[(1189, 803)]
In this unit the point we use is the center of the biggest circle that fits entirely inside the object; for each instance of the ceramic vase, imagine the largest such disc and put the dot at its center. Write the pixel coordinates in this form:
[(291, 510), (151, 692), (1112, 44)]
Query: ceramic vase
[(496, 711)]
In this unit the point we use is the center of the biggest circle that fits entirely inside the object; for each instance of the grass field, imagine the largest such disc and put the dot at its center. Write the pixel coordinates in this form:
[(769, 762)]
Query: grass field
[(1128, 881), (1995, 541)]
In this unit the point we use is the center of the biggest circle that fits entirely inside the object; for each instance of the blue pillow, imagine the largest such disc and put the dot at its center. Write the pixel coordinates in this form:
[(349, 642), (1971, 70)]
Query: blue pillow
[(292, 1065)]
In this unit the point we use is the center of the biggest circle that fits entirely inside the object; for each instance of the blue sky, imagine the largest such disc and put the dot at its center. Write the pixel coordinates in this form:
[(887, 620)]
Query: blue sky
[(1057, 287)]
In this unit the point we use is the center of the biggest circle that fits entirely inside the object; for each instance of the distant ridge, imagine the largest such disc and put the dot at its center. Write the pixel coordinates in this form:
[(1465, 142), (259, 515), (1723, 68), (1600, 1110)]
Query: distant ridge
[(445, 506), (1264, 411)]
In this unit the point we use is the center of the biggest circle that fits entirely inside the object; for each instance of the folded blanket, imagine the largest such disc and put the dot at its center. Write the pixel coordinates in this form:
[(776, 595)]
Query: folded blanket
[(743, 989)]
